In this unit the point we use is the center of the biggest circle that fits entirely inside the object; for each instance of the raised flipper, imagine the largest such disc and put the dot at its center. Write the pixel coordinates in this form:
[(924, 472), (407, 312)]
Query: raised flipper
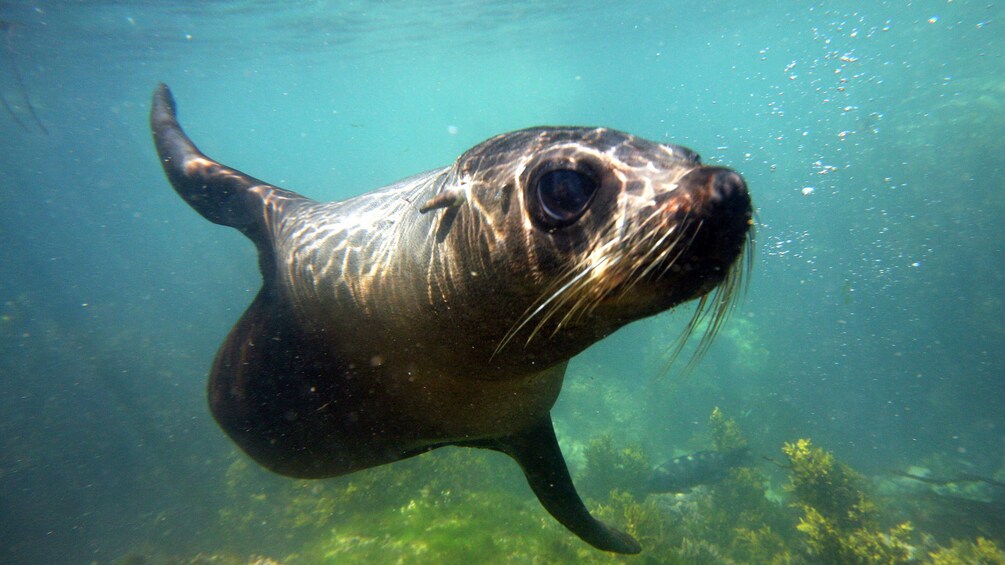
[(270, 381), (221, 194), (536, 450)]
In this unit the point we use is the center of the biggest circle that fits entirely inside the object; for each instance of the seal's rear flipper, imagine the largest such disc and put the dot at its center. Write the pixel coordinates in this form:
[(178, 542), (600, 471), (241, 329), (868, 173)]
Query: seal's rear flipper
[(536, 450), (221, 194)]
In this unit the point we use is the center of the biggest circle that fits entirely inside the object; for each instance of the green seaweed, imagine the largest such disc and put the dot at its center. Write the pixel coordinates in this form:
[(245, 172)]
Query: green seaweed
[(610, 468), (979, 552), (832, 488), (699, 552), (730, 521), (830, 544), (304, 510), (839, 522), (726, 435), (463, 505), (763, 545), (643, 519)]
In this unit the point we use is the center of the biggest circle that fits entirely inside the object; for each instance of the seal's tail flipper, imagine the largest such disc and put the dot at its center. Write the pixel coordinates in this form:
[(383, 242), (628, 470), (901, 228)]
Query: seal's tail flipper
[(538, 453), (222, 195)]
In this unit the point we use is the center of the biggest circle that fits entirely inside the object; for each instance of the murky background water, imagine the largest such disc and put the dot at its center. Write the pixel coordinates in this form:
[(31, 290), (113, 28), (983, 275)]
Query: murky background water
[(870, 135)]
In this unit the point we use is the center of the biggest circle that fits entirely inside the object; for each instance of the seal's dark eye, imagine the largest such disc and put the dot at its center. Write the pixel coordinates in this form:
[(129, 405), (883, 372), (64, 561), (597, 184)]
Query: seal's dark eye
[(564, 194)]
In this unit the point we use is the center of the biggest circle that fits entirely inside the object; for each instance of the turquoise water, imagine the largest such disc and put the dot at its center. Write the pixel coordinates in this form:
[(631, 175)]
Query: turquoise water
[(870, 135)]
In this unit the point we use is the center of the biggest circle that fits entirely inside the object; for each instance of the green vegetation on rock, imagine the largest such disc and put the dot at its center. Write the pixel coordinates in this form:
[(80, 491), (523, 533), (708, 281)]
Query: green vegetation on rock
[(839, 522), (464, 505), (980, 552)]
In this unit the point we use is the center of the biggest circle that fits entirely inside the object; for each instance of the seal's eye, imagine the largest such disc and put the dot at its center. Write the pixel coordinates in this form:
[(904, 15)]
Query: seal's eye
[(564, 194)]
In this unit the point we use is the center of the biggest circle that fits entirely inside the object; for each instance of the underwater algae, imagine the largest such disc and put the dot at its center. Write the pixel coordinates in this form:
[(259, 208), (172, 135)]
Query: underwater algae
[(840, 522), (452, 506), (981, 551)]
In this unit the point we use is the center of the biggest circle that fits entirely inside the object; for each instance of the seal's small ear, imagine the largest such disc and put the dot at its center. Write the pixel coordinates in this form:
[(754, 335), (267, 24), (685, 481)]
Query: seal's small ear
[(450, 198)]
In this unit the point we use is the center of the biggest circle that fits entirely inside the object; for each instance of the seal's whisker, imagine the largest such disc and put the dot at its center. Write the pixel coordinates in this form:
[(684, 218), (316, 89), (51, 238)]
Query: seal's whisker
[(700, 314), (724, 302), (536, 310), (555, 308), (716, 314), (585, 304), (553, 311), (552, 292), (661, 257), (632, 275), (569, 315), (585, 292), (677, 348), (580, 293), (684, 248), (748, 257), (714, 309), (666, 235)]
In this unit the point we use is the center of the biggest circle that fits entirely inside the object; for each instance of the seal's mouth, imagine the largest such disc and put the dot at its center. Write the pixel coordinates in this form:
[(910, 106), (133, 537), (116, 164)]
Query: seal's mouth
[(718, 257)]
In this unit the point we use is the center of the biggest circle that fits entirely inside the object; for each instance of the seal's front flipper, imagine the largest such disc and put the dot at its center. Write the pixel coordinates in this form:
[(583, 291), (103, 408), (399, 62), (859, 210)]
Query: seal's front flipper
[(538, 453), (221, 194)]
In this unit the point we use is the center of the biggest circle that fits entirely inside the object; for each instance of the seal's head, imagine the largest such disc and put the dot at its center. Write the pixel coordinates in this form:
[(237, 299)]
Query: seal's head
[(605, 227)]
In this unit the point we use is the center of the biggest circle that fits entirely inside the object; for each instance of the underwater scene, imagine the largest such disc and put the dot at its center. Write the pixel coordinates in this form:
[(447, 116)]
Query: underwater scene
[(816, 379)]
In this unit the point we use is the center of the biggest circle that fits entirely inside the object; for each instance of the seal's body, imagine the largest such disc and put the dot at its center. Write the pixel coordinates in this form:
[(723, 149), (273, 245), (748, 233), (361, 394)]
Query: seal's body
[(443, 309)]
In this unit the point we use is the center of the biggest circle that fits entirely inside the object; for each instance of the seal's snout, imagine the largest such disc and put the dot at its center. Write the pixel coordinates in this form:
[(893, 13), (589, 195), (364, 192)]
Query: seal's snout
[(717, 198), (731, 209), (714, 207), (727, 186), (718, 191)]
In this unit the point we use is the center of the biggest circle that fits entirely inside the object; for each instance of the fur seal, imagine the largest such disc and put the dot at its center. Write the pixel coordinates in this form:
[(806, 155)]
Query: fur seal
[(443, 309), (694, 469)]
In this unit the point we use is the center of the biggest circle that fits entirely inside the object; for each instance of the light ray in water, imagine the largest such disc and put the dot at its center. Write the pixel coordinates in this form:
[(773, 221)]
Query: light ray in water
[(8, 29)]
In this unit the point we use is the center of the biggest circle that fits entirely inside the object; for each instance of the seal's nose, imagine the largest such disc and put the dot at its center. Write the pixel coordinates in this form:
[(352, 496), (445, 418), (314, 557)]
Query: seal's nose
[(722, 209), (718, 192), (727, 186), (728, 195)]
